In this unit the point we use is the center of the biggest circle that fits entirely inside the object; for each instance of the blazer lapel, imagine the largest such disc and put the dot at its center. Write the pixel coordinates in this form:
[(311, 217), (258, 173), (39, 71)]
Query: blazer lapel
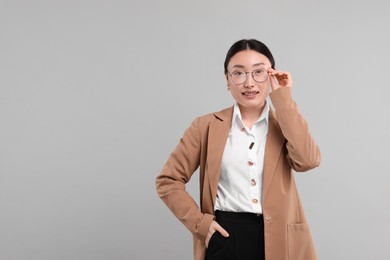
[(273, 148), (218, 134)]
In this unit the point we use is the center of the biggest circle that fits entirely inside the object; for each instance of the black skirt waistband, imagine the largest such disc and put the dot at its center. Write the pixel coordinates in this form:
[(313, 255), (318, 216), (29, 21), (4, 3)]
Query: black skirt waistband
[(238, 217)]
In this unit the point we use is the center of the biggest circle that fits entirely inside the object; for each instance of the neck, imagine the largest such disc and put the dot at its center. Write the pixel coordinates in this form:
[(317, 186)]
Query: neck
[(250, 115)]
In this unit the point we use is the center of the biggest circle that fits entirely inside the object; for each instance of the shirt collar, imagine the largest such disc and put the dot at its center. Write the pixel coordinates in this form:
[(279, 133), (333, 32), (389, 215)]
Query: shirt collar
[(237, 115)]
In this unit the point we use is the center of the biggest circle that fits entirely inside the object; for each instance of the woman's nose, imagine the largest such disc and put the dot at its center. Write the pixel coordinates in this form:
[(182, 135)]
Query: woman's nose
[(249, 82)]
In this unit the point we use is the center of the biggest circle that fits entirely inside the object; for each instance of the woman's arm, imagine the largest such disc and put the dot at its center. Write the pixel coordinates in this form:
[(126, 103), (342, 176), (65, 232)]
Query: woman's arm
[(170, 183), (303, 152)]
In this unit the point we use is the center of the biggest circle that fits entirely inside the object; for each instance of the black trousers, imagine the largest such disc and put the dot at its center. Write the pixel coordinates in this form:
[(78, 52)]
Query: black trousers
[(246, 240)]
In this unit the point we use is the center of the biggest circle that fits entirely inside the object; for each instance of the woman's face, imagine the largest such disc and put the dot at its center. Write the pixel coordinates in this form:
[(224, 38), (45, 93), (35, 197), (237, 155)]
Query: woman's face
[(249, 94)]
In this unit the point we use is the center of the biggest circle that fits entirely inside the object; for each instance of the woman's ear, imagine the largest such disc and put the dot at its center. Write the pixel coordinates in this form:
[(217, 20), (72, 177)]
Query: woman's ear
[(227, 81)]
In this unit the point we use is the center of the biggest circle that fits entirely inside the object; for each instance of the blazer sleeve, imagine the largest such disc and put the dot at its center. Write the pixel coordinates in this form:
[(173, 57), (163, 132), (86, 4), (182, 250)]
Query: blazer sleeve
[(170, 183), (303, 153)]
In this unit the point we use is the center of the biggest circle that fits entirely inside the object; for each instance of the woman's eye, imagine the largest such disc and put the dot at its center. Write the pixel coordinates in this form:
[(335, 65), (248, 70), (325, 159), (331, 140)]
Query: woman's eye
[(238, 73), (259, 72)]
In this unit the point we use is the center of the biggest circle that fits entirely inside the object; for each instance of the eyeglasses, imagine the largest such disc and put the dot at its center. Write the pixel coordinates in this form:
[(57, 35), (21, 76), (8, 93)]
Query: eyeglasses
[(239, 77)]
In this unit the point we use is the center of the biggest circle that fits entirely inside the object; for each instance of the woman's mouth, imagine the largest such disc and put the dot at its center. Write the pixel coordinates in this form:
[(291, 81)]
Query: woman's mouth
[(250, 93)]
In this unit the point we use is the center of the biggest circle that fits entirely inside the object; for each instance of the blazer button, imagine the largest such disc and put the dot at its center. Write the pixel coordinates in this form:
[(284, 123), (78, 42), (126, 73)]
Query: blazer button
[(255, 201), (250, 163), (253, 182)]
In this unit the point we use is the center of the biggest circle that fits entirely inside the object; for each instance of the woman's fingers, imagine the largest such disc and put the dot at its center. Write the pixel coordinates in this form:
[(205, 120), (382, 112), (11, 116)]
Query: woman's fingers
[(283, 78), (221, 230)]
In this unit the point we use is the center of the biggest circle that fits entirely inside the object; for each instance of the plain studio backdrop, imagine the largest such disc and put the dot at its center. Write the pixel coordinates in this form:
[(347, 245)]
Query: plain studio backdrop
[(94, 95)]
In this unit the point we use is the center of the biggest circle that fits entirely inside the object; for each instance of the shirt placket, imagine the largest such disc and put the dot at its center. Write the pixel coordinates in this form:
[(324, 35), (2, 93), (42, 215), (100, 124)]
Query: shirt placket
[(253, 171)]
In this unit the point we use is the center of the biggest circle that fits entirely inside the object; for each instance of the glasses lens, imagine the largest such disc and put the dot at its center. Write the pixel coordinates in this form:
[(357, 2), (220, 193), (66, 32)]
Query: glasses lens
[(260, 75), (238, 77)]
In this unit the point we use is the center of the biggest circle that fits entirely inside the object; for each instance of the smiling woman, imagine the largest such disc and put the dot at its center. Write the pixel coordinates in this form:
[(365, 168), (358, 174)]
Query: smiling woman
[(250, 208)]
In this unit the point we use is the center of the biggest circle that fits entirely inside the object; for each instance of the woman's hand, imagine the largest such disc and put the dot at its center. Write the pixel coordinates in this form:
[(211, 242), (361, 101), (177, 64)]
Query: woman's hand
[(283, 79), (215, 227)]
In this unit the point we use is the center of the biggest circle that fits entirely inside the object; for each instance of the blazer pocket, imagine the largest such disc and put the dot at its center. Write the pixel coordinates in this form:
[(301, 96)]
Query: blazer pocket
[(300, 243)]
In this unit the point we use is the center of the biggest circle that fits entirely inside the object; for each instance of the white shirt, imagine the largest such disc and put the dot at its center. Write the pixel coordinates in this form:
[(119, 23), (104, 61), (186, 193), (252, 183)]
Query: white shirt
[(240, 182)]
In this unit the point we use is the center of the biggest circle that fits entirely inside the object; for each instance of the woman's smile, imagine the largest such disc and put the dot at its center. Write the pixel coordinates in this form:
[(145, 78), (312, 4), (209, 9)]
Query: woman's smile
[(250, 93)]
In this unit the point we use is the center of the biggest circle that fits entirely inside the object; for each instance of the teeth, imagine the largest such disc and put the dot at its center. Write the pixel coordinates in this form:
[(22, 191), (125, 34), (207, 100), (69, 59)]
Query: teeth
[(249, 93)]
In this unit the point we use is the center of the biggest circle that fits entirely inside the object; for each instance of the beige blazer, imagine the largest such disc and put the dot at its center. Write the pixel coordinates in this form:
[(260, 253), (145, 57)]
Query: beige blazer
[(289, 146)]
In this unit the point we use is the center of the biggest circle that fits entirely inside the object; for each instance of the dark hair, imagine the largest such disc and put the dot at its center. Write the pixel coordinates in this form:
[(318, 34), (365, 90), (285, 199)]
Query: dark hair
[(250, 44)]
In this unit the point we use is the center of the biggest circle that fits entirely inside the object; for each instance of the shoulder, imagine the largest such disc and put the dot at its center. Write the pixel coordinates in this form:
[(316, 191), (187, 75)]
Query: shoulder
[(202, 123), (222, 115)]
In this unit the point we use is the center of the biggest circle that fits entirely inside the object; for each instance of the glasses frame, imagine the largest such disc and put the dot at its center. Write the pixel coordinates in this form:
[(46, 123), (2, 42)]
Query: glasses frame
[(246, 76)]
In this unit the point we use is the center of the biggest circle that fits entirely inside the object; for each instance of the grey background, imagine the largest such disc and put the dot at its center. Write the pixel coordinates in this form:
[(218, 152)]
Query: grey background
[(94, 95)]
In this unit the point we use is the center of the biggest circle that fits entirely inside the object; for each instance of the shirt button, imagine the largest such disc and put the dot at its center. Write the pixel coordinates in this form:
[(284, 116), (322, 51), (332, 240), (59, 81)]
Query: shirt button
[(243, 129), (255, 201), (250, 163), (253, 182), (268, 217)]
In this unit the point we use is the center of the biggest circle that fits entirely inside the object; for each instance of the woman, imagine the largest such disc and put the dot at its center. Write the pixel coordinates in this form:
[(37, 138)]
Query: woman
[(249, 204)]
